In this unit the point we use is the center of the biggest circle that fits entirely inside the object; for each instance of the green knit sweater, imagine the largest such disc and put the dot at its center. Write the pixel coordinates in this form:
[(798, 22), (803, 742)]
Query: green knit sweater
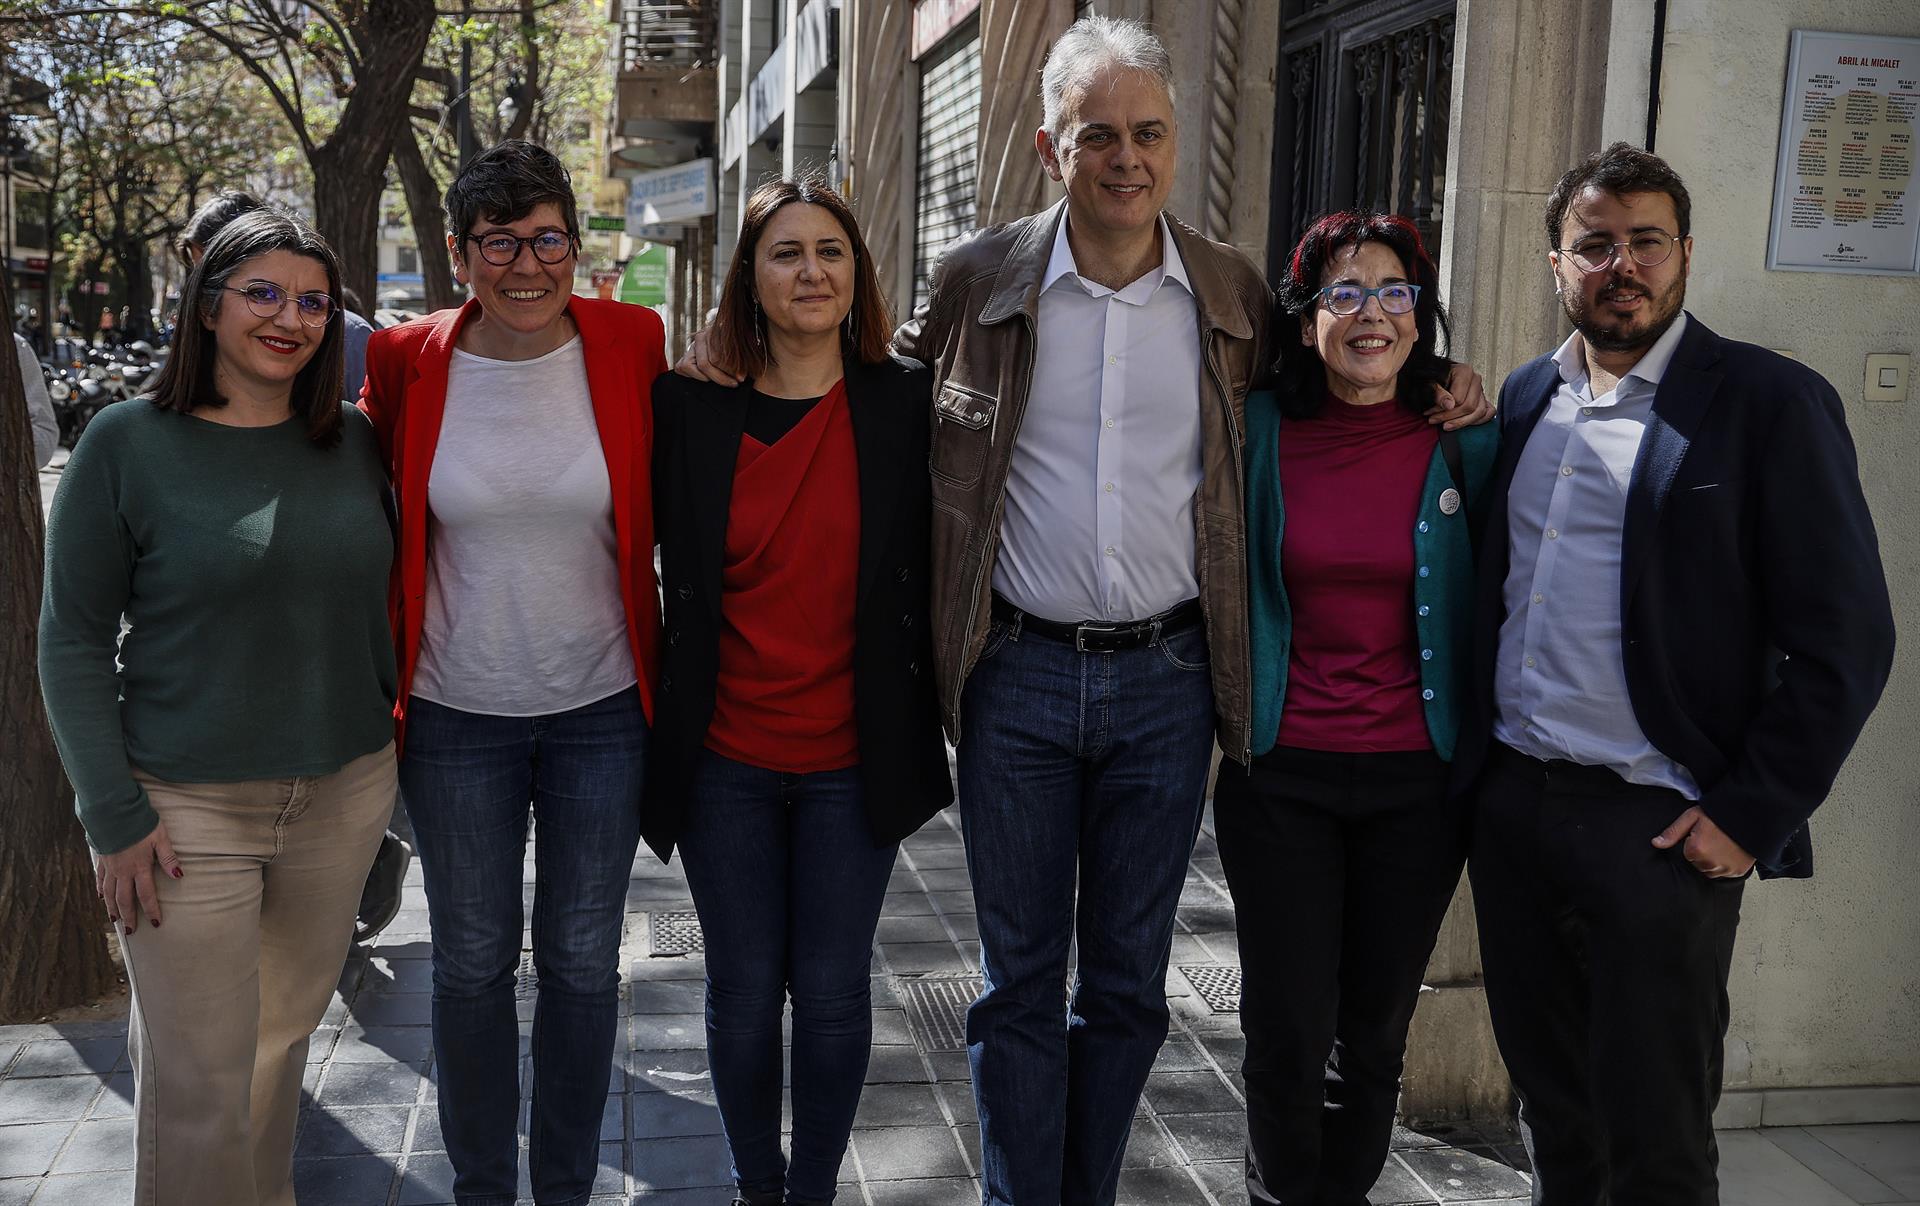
[(251, 570)]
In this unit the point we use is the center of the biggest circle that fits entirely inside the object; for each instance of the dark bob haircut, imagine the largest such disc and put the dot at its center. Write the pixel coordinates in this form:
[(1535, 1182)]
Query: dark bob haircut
[(1621, 168), (187, 379), (1302, 377), (210, 219), (739, 335), (503, 184)]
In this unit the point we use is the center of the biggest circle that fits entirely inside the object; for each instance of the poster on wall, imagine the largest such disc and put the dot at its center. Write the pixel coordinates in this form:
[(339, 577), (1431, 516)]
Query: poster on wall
[(1846, 192)]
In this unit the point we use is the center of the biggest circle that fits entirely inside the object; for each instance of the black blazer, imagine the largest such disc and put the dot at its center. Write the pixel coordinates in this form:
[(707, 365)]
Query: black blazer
[(1758, 629), (903, 757)]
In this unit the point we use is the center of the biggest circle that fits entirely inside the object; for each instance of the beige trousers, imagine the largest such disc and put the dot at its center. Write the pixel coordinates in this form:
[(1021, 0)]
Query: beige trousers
[(227, 991)]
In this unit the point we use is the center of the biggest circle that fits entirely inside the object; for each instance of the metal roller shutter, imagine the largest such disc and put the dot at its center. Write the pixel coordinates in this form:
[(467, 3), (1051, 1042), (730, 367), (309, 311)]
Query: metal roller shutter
[(945, 191)]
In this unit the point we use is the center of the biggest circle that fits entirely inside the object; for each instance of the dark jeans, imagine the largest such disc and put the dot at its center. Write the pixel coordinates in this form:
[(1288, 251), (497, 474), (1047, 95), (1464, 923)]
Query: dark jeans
[(1606, 964), (1088, 767), (788, 882), (1341, 867), (467, 781)]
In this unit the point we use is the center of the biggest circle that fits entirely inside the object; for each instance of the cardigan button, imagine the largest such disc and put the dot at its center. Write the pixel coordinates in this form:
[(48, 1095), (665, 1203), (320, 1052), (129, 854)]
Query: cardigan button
[(1427, 694), (685, 592), (913, 668), (906, 621), (673, 638), (666, 682), (1424, 609), (1426, 655), (1423, 525), (901, 574)]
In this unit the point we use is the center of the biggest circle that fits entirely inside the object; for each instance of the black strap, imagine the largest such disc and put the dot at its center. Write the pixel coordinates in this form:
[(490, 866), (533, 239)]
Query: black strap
[(1450, 450)]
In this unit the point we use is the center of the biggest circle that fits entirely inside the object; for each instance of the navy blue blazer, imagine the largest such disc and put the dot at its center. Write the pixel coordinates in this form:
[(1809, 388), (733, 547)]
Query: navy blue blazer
[(1757, 625)]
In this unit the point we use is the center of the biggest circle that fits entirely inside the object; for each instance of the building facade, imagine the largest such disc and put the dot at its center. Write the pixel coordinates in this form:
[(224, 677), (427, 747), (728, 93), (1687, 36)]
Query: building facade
[(1460, 114)]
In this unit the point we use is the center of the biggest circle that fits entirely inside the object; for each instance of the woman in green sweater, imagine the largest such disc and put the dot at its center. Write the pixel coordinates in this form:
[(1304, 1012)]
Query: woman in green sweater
[(231, 752)]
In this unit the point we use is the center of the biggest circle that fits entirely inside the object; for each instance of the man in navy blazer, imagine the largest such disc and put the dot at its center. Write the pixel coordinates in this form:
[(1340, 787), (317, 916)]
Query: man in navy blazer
[(1683, 626)]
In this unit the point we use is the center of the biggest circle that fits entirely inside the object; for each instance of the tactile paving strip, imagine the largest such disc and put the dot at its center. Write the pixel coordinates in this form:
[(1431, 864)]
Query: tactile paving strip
[(675, 933), (1219, 987), (937, 1009)]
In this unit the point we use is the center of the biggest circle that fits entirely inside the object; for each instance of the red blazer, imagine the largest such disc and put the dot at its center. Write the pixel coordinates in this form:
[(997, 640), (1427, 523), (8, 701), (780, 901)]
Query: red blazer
[(406, 396)]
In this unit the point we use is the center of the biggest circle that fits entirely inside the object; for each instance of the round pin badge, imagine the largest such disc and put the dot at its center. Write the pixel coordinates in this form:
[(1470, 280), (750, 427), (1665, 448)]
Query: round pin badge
[(1449, 501)]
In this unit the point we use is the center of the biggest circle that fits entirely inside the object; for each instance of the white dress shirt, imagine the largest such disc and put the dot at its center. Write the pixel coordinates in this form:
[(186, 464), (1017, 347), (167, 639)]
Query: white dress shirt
[(1099, 517), (1560, 681)]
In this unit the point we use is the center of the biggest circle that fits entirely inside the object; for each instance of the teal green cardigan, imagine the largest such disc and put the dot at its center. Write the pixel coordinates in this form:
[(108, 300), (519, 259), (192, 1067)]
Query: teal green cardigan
[(1442, 592)]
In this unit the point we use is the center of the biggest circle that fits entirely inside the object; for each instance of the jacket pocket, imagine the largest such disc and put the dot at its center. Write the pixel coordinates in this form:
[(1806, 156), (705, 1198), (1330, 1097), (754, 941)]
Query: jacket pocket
[(963, 433)]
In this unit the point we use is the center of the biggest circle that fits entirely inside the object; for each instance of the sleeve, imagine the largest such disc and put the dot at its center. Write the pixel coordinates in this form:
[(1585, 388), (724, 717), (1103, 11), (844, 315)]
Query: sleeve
[(46, 427), (90, 556), (358, 332), (923, 337), (1824, 595), (380, 393)]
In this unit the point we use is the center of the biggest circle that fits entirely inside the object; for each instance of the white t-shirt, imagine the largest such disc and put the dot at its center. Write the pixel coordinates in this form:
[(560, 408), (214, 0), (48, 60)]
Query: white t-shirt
[(523, 613)]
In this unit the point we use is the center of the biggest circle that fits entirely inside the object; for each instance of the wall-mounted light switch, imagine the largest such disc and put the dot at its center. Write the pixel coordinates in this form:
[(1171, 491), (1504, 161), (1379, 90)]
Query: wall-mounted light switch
[(1887, 374)]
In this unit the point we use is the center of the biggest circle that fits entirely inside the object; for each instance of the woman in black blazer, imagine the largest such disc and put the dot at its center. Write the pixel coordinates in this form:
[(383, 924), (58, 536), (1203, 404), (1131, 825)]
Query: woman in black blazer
[(796, 735)]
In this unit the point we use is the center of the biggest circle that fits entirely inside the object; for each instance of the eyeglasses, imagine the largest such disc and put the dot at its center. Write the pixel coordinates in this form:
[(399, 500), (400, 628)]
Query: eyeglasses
[(1649, 249), (266, 301), (1347, 299), (501, 250)]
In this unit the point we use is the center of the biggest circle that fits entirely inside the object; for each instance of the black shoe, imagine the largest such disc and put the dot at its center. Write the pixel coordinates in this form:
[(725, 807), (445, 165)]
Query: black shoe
[(380, 899), (742, 1196)]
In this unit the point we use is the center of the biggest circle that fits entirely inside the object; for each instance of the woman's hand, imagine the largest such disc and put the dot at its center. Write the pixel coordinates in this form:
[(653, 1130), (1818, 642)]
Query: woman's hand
[(125, 878), (698, 362), (1463, 403)]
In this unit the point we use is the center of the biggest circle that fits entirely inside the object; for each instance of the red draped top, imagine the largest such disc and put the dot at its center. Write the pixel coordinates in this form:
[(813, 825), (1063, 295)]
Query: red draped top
[(783, 696)]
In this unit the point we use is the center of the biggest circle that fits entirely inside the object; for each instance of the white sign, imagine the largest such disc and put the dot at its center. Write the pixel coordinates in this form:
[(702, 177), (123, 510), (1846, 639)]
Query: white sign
[(1846, 194), (672, 194)]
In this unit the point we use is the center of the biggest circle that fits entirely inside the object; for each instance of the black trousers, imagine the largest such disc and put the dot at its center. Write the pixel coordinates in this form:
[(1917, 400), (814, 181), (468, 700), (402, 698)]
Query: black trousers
[(1341, 867), (1606, 965)]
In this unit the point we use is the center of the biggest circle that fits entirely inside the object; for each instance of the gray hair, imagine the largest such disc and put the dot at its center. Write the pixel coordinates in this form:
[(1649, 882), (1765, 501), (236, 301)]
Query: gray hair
[(1090, 45)]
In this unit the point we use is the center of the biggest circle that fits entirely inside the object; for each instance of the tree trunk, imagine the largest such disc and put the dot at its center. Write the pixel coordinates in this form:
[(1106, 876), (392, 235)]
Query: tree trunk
[(429, 224), (350, 167), (55, 953)]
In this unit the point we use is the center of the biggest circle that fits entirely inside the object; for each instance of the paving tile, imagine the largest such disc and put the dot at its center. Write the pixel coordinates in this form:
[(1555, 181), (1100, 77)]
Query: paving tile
[(1190, 1093), (1209, 1136), (384, 1044), (907, 904), (890, 1027), (47, 1099), (915, 958), (943, 1191), (712, 1196), (86, 1189), (908, 1153), (1180, 1055), (670, 1031), (352, 1181), (59, 1057), (911, 929), (1397, 1186), (428, 1181), (895, 1064), (951, 1067), (946, 879), (370, 1084), (1889, 1153), (353, 1130), (385, 973), (690, 967), (27, 1149), (959, 1099), (426, 1129), (1404, 1138), (1149, 1147), (668, 1071), (1457, 1175), (392, 1009), (684, 1163), (103, 1146), (932, 858), (670, 996), (611, 1177), (885, 1105), (1756, 1172), (1227, 1179), (965, 925), (14, 1191), (117, 1101), (672, 1115), (952, 901), (1159, 1187)]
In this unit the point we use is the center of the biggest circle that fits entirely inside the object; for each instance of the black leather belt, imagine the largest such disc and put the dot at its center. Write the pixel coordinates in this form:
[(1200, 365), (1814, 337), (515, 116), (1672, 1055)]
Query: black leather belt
[(1099, 637)]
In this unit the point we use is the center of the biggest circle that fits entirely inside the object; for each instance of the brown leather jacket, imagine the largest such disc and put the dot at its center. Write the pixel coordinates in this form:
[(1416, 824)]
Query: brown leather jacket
[(977, 331)]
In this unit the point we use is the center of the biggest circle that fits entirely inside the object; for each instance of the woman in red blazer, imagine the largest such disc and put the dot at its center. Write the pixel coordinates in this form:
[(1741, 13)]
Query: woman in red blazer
[(526, 621)]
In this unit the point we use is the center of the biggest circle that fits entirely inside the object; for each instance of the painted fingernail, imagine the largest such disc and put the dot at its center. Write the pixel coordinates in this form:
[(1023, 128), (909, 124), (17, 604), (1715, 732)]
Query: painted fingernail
[(177, 873)]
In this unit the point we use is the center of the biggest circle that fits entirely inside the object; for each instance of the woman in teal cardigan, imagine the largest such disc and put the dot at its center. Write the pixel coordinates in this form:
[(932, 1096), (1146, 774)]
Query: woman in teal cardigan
[(1339, 844)]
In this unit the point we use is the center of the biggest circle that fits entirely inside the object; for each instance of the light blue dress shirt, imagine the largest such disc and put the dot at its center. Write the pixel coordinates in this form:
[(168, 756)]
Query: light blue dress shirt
[(1560, 681), (1099, 521)]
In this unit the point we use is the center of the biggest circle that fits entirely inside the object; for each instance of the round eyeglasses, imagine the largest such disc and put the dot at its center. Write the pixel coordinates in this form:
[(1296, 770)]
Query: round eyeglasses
[(1649, 249), (266, 301), (1343, 300), (501, 250)]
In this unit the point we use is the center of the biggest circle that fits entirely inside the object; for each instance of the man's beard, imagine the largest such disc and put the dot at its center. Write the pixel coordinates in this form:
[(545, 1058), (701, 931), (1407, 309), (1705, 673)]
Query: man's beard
[(1618, 335)]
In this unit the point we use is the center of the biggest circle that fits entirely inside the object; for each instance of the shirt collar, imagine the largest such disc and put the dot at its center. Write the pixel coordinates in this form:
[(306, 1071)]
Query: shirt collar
[(1571, 358), (1172, 268)]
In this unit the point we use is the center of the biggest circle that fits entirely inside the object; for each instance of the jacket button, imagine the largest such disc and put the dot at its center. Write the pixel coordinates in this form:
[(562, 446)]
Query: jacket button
[(685, 592), (1426, 655), (901, 575), (906, 621), (666, 682), (1427, 694), (1424, 609), (673, 638), (913, 668)]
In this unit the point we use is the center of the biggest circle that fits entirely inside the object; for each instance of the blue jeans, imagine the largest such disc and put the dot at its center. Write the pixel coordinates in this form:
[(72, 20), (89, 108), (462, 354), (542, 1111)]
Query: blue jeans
[(468, 781), (788, 882), (1088, 767)]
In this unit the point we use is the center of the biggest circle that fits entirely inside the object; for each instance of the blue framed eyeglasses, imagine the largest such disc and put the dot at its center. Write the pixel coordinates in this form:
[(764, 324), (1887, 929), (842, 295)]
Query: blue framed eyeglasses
[(1397, 298)]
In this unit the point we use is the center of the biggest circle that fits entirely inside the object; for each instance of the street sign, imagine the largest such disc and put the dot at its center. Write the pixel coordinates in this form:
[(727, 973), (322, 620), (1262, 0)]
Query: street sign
[(645, 281), (672, 194)]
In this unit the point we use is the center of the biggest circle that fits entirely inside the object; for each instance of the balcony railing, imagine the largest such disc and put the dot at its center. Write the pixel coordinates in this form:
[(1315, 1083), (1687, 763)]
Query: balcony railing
[(655, 33)]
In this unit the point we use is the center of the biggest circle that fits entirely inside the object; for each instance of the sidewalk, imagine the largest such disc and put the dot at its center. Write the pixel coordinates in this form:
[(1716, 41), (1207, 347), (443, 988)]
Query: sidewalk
[(369, 1133)]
